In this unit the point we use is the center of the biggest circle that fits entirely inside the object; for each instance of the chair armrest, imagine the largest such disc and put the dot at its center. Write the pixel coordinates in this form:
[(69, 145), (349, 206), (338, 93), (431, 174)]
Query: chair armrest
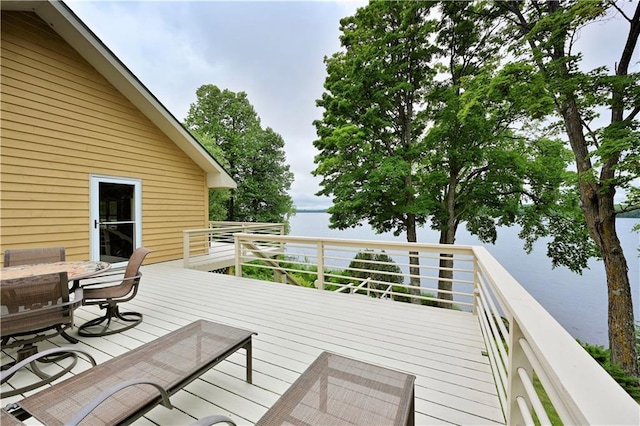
[(87, 409), (119, 280), (212, 420), (6, 374), (77, 301)]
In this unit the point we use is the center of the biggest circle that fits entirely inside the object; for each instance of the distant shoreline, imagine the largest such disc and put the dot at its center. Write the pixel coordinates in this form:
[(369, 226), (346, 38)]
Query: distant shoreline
[(311, 211), (635, 214)]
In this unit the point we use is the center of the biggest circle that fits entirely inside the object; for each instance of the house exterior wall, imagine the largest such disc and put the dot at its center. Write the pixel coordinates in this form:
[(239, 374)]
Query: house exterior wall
[(62, 122)]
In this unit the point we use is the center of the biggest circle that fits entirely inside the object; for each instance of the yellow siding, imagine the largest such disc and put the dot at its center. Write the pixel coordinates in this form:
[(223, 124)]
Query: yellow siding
[(61, 122)]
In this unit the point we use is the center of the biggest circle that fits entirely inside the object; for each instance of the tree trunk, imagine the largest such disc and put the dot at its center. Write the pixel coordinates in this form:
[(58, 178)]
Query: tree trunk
[(448, 236), (597, 201), (445, 273), (414, 259), (231, 208), (621, 321), (596, 192)]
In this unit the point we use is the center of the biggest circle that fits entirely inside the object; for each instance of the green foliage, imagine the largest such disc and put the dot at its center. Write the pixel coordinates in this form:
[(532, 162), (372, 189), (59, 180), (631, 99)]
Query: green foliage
[(229, 128), (598, 112), (603, 357), (218, 198), (378, 267), (546, 403), (369, 135), (421, 123)]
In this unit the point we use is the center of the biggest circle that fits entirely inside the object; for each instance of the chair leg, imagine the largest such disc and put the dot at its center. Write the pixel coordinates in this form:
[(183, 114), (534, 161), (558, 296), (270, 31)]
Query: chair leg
[(44, 377), (134, 318)]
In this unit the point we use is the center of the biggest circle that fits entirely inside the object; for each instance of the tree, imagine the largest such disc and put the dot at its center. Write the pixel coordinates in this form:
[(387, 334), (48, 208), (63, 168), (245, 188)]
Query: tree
[(606, 157), (254, 156), (218, 198), (382, 164), (370, 136), (264, 196), (481, 168), (378, 267)]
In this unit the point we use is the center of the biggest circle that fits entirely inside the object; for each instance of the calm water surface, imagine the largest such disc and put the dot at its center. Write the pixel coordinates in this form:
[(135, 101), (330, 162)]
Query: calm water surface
[(578, 302)]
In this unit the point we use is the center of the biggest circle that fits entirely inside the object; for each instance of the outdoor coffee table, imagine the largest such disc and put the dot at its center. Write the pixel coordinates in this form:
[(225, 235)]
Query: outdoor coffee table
[(171, 362), (335, 390)]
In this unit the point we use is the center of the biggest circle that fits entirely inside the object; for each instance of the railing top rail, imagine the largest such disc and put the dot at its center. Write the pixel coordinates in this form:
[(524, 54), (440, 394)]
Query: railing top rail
[(343, 242), (590, 394), (228, 229), (249, 224)]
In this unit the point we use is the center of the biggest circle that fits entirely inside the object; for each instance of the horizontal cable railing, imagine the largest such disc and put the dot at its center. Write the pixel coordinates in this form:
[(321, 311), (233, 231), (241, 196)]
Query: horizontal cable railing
[(533, 359), (400, 271), (213, 248)]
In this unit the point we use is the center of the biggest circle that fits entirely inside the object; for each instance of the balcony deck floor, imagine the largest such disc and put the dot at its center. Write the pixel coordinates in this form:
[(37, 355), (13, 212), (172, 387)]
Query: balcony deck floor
[(442, 348)]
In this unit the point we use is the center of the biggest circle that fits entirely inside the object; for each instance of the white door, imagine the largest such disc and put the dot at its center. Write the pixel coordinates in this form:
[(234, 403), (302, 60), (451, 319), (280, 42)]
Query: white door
[(116, 218)]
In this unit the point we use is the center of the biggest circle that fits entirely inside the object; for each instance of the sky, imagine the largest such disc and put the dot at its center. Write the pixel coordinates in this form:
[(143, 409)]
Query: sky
[(271, 50)]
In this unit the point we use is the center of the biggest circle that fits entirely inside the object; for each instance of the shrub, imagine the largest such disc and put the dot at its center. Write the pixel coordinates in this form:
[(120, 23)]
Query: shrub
[(378, 267), (602, 355)]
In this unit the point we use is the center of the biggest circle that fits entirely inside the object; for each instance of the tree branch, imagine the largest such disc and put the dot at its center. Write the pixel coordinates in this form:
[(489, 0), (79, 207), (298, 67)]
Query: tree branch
[(628, 209), (616, 7), (632, 40), (590, 132), (633, 114)]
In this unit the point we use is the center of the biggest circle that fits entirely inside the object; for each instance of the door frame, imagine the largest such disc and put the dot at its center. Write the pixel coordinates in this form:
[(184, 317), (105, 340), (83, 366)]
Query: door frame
[(94, 212)]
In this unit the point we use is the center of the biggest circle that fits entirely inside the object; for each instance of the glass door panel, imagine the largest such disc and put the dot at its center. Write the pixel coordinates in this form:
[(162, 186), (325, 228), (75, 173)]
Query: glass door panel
[(116, 219)]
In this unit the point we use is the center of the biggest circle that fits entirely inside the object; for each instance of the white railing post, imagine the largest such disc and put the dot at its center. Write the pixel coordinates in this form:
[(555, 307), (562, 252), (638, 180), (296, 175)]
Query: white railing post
[(320, 249), (236, 243), (185, 249), (476, 285), (515, 388)]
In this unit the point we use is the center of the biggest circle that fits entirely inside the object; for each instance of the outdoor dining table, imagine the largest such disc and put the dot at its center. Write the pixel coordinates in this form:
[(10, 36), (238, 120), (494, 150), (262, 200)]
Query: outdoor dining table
[(76, 270)]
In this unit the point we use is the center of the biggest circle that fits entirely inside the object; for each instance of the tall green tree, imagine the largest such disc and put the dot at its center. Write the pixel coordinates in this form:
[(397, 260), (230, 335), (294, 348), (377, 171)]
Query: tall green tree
[(598, 110), (481, 167), (419, 125), (255, 156), (370, 134), (218, 198)]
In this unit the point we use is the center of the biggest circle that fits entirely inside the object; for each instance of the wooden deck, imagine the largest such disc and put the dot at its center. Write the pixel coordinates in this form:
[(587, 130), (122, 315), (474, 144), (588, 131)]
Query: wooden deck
[(294, 325)]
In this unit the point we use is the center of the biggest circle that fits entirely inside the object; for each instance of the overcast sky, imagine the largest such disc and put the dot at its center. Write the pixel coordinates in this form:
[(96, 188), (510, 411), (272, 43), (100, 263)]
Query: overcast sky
[(272, 50)]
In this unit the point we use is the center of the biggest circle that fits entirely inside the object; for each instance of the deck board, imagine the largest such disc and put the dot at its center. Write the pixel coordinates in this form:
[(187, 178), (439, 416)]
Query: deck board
[(442, 348)]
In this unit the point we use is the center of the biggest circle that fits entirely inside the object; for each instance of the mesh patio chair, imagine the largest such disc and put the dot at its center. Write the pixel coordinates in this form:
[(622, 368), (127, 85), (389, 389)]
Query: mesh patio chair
[(107, 293), (33, 309), (33, 256)]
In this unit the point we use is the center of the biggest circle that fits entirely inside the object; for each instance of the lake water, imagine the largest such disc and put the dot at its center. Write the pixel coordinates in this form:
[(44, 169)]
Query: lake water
[(578, 302)]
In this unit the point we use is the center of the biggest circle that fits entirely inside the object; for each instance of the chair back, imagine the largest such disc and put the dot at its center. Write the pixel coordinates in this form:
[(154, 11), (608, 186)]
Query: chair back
[(133, 267), (33, 256), (24, 299)]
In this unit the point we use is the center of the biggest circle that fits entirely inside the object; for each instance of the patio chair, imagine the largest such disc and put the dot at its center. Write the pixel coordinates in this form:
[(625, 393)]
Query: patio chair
[(107, 293), (36, 308), (33, 256)]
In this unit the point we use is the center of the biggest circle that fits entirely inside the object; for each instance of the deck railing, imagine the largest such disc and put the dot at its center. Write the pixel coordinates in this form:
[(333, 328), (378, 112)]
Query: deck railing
[(212, 248), (524, 344)]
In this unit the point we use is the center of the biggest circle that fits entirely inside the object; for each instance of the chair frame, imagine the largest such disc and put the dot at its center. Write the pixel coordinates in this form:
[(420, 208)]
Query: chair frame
[(109, 293), (33, 256), (15, 325)]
